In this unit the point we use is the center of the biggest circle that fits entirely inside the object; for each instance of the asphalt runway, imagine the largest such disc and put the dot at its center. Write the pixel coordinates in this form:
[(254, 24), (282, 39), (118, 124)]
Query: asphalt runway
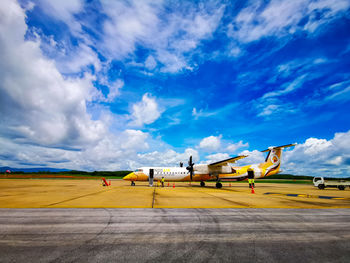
[(174, 235)]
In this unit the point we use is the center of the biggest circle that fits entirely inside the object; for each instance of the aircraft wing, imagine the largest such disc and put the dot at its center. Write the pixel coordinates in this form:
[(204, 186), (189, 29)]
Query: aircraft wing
[(225, 162)]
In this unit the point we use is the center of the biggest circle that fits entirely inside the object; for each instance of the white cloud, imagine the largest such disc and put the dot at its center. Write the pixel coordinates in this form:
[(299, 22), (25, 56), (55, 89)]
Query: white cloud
[(150, 63), (320, 157), (112, 152), (254, 157), (268, 110), (282, 18), (170, 31), (145, 111), (341, 95), (134, 139), (216, 157), (69, 57), (227, 109), (64, 10), (287, 88), (114, 90), (76, 59), (38, 104), (211, 143), (273, 104), (299, 67), (232, 147), (167, 158)]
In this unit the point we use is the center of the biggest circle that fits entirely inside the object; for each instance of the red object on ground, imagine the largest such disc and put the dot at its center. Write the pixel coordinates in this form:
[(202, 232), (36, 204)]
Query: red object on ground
[(106, 183), (174, 185), (168, 184), (253, 192)]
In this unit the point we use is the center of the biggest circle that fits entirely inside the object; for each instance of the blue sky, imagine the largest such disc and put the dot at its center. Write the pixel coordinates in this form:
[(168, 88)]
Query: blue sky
[(109, 85)]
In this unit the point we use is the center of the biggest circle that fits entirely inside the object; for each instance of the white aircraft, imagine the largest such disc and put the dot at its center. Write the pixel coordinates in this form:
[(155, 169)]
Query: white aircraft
[(218, 171)]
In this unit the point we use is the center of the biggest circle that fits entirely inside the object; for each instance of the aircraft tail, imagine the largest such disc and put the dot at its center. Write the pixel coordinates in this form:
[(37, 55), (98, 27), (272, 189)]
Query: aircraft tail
[(273, 160)]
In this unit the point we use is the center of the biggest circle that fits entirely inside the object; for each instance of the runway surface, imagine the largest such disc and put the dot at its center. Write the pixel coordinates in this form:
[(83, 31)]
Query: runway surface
[(40, 193), (174, 235)]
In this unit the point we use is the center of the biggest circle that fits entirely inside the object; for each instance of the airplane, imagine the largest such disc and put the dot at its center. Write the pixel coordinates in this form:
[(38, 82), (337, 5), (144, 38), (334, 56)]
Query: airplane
[(218, 171)]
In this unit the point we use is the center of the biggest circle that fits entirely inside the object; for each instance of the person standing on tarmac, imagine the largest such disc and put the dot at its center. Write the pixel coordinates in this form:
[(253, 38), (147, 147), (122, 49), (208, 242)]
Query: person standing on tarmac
[(163, 181), (251, 182)]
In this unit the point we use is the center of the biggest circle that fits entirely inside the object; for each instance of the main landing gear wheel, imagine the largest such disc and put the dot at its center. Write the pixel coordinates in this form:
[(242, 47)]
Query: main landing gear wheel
[(218, 185), (202, 184), (341, 187), (132, 183), (321, 186)]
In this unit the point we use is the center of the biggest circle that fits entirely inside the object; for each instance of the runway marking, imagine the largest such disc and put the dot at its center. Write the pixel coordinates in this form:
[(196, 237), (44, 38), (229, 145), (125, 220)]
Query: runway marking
[(308, 196)]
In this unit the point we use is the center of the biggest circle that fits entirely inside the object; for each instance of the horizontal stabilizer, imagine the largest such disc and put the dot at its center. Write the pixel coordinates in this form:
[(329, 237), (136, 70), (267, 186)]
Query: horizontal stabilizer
[(230, 160), (279, 147)]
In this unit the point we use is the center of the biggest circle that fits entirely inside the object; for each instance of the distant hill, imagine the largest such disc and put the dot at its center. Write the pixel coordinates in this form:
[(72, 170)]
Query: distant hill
[(32, 170), (289, 176), (54, 171)]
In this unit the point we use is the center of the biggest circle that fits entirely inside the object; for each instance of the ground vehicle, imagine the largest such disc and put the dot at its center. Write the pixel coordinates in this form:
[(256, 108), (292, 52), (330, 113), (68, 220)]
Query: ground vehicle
[(322, 184)]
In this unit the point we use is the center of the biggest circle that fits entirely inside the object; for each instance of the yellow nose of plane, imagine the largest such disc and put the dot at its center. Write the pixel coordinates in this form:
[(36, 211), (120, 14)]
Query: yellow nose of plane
[(130, 177)]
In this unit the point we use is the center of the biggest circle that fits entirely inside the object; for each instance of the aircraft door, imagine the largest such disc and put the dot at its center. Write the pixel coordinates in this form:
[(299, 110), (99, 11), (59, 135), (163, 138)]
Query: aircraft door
[(150, 177), (250, 174)]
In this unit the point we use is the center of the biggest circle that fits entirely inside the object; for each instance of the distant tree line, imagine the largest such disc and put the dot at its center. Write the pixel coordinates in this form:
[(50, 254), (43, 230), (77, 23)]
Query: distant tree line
[(299, 177), (75, 172)]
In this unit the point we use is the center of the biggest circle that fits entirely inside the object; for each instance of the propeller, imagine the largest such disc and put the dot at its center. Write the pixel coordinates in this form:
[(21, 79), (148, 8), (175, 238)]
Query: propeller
[(190, 167), (181, 164)]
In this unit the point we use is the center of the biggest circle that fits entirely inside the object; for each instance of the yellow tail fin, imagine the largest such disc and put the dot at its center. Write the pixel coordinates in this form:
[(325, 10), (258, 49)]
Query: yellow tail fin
[(273, 160)]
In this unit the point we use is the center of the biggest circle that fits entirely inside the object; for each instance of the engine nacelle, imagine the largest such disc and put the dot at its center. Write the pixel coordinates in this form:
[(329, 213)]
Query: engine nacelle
[(201, 169)]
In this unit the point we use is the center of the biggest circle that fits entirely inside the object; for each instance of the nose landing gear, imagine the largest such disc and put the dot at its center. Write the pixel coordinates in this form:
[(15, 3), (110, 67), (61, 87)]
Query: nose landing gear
[(202, 184), (132, 183)]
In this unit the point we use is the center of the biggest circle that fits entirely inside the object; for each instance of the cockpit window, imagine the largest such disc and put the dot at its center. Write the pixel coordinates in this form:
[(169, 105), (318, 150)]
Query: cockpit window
[(138, 171)]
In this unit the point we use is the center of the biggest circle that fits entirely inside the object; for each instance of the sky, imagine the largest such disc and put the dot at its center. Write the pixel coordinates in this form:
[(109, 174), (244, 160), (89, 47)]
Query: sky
[(115, 85)]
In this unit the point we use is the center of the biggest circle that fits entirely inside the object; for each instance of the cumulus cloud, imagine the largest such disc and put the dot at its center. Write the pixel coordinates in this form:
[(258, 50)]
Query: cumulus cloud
[(232, 147), (38, 104), (320, 157), (314, 157), (167, 158), (254, 157), (145, 111), (211, 143), (112, 152), (216, 157)]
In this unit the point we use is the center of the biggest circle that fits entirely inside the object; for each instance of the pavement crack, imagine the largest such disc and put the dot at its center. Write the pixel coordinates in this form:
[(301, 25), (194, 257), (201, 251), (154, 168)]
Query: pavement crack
[(222, 198), (74, 198)]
